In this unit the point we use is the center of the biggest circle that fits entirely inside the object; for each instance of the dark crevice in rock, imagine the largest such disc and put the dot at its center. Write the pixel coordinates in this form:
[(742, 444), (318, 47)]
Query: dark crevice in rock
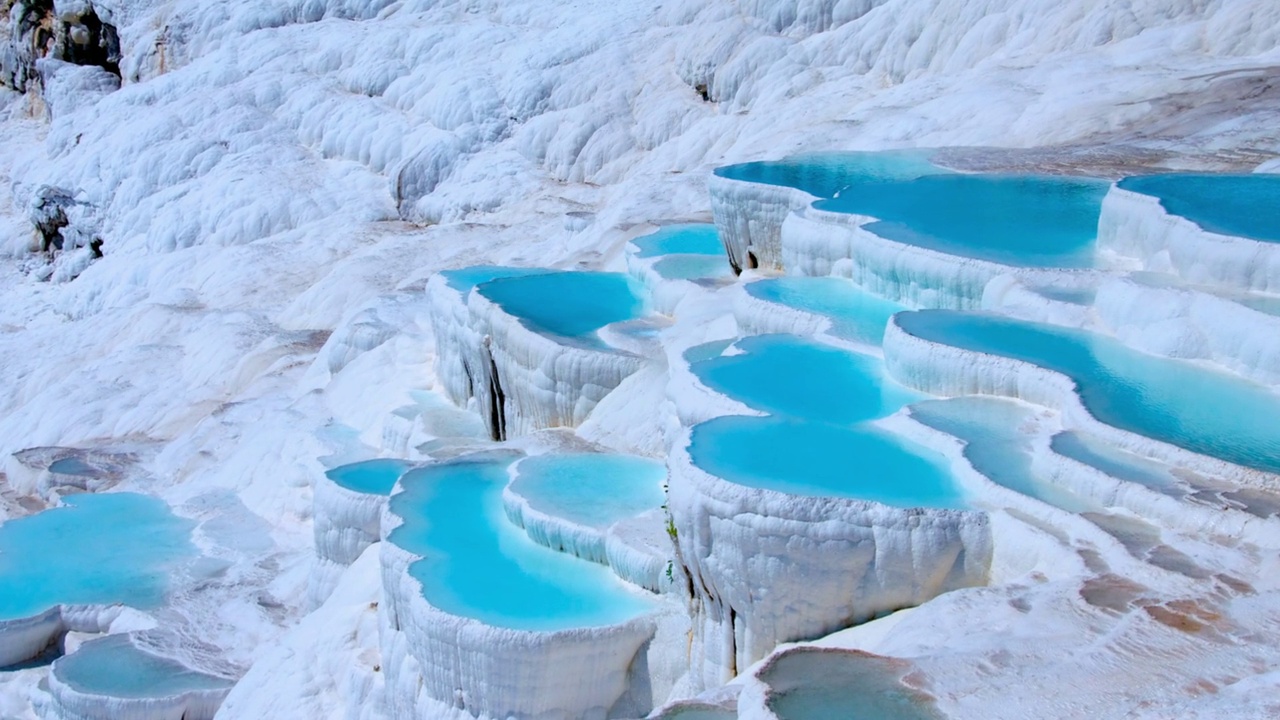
[(38, 32), (497, 404)]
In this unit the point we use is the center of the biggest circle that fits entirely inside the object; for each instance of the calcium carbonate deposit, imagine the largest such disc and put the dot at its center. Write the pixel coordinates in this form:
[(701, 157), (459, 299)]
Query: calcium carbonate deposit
[(692, 359)]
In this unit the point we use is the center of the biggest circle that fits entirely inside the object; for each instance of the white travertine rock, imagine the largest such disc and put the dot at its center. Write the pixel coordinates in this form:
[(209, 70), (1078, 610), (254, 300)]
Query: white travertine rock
[(749, 217), (765, 567), (433, 657), (1136, 232), (950, 371)]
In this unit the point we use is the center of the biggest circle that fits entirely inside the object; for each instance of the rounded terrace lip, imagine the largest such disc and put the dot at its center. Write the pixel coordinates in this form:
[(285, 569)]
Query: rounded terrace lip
[(115, 667), (1192, 407), (374, 477), (1245, 206), (475, 563)]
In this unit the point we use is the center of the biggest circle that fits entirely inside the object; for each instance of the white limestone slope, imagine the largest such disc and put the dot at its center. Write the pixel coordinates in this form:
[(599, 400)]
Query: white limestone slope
[(269, 169)]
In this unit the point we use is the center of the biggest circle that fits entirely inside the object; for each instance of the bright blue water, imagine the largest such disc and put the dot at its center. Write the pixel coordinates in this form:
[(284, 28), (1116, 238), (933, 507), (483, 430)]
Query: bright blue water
[(591, 489), (693, 267), (1116, 462), (466, 278), (824, 175), (375, 477), (72, 466), (567, 304), (788, 375), (995, 446), (855, 315), (810, 458), (476, 564), (96, 550), (1241, 205), (1022, 220), (115, 667), (1171, 400), (685, 239)]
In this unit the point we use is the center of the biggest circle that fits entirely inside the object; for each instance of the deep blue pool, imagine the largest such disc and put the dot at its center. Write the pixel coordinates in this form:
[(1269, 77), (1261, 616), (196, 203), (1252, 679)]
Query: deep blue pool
[(1241, 205), (683, 239)]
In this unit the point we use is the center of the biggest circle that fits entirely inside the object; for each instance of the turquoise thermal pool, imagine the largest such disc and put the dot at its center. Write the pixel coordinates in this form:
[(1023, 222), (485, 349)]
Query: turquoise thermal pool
[(375, 477), (1019, 220), (591, 489), (464, 279), (73, 466), (570, 305), (812, 458), (683, 239), (477, 564), (825, 175), (693, 267), (1169, 400), (95, 550), (115, 667), (996, 444), (788, 375), (855, 315), (1240, 205)]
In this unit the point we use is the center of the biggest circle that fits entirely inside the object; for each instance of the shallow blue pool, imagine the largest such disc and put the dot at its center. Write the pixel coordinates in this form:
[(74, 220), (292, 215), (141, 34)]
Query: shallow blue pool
[(95, 550), (1117, 463), (683, 239), (1170, 400), (375, 477), (476, 564), (72, 466), (996, 445), (1021, 220), (1241, 205), (115, 667), (812, 458), (567, 304), (693, 267), (855, 315), (788, 375), (816, 685), (826, 174), (592, 489), (466, 278)]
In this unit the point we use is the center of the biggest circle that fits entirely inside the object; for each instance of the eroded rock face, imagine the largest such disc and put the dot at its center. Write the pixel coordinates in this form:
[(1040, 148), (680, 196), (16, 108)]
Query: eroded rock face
[(36, 29)]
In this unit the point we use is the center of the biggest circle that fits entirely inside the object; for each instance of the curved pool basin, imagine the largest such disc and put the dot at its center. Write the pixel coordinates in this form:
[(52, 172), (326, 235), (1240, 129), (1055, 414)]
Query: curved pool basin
[(1245, 205), (811, 458), (464, 279), (113, 548), (793, 376), (474, 563), (567, 304), (591, 489), (824, 175), (1178, 402), (373, 477), (1018, 220), (682, 239), (855, 314), (115, 667)]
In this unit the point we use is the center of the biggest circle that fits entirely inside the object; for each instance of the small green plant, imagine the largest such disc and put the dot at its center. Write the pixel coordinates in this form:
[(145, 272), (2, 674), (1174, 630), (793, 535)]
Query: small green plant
[(670, 571), (671, 527)]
